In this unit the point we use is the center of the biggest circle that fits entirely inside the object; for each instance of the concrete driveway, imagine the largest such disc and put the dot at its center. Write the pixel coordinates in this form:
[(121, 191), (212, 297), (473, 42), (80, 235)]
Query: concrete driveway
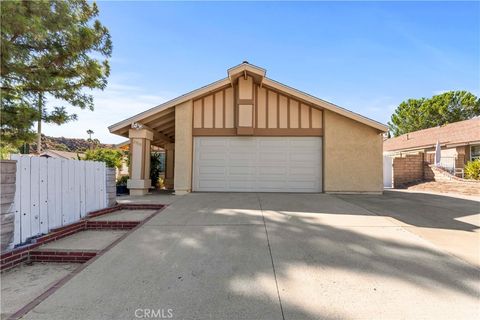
[(284, 256)]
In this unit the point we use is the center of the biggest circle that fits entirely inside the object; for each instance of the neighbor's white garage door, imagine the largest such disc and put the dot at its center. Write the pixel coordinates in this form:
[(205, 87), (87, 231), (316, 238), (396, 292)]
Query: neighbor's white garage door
[(259, 164)]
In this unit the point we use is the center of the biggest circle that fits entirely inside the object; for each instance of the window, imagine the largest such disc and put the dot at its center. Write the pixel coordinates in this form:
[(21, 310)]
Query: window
[(475, 152)]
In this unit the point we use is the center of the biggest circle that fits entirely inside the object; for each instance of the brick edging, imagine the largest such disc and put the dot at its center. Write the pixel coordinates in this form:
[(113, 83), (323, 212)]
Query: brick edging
[(14, 257), (57, 285)]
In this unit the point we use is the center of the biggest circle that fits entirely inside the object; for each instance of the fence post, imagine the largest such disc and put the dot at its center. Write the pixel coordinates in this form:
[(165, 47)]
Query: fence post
[(111, 187)]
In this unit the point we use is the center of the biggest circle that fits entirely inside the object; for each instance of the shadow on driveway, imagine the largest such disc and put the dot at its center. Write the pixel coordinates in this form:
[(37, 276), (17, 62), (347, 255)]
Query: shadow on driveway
[(271, 256)]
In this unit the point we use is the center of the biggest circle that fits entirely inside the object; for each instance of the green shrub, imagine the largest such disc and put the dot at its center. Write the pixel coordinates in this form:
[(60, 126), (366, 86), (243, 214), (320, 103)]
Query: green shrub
[(112, 158), (155, 167), (472, 170), (6, 150), (122, 181)]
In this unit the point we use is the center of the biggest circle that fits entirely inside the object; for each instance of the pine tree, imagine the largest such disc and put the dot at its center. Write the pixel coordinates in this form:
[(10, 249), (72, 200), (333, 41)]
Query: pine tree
[(49, 48)]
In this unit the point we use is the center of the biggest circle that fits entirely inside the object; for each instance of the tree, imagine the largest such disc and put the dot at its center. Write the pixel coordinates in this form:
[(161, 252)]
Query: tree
[(112, 158), (417, 114), (90, 132), (49, 49)]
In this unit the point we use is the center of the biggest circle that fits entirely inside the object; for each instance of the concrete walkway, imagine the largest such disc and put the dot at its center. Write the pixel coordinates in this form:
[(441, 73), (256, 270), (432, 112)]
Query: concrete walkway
[(278, 256)]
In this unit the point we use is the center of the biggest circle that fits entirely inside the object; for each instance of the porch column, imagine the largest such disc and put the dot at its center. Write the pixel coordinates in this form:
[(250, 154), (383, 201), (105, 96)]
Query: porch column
[(169, 165), (183, 147), (139, 181)]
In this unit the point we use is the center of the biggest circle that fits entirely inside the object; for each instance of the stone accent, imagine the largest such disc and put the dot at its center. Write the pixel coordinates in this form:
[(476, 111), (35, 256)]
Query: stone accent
[(111, 187), (8, 171), (407, 169)]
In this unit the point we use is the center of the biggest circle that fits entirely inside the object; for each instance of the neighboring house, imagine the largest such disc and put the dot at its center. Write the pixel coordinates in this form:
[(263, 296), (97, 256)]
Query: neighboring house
[(459, 141), (61, 154), (247, 132)]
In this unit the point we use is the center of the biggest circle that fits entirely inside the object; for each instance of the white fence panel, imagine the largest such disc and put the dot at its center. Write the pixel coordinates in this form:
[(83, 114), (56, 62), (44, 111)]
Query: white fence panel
[(16, 203), (43, 194), (52, 192), (81, 183), (90, 190), (387, 172), (35, 195), (25, 198), (58, 192)]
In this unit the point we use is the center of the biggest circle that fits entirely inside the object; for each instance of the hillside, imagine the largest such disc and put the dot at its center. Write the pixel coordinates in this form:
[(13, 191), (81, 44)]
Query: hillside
[(65, 144)]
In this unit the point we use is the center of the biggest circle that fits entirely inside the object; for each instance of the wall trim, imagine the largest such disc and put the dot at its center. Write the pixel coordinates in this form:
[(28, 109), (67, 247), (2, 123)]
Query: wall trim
[(275, 132)]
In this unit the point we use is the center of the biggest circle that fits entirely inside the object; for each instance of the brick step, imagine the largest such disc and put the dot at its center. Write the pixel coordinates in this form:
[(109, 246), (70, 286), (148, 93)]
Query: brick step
[(61, 256), (111, 225)]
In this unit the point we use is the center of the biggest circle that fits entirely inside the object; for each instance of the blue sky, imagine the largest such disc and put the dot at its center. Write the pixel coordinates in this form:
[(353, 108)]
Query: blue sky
[(364, 56)]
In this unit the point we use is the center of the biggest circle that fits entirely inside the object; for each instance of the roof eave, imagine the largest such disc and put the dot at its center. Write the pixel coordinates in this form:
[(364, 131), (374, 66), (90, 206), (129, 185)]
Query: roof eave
[(225, 81), (171, 103), (327, 105)]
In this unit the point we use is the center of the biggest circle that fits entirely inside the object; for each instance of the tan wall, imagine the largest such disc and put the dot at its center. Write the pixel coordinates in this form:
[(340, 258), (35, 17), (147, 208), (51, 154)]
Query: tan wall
[(352, 156), (183, 147), (215, 110)]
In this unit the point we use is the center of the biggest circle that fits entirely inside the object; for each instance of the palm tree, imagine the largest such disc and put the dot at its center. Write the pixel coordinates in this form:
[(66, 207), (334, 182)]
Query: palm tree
[(90, 132)]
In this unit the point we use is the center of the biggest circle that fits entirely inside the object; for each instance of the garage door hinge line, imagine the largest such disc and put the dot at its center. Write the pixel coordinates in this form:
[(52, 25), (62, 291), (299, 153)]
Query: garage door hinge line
[(271, 257)]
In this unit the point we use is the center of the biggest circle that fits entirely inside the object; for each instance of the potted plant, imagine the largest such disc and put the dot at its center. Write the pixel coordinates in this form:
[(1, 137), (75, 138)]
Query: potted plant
[(122, 185)]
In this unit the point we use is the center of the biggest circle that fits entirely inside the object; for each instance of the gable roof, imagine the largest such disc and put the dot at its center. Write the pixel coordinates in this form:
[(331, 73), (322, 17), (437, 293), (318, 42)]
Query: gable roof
[(457, 133), (260, 73), (61, 154)]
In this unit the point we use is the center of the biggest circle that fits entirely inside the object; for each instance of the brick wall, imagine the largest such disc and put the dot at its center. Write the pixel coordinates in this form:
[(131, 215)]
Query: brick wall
[(408, 168), (8, 170)]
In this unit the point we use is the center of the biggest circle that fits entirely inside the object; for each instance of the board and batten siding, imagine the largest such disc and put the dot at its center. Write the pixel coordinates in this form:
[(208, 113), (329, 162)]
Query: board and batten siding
[(51, 193), (246, 105)]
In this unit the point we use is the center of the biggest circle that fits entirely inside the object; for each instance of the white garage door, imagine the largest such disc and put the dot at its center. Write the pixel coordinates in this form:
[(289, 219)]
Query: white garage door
[(258, 164)]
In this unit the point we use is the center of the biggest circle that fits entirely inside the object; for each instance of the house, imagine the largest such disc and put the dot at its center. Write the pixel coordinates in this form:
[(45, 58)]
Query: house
[(459, 142), (249, 133), (61, 154)]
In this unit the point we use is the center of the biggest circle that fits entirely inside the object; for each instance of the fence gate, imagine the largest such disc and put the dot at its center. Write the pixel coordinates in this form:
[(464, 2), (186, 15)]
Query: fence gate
[(387, 172), (53, 192)]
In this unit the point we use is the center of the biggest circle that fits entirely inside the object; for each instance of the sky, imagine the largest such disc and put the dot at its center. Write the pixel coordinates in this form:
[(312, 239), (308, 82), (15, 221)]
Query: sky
[(367, 57)]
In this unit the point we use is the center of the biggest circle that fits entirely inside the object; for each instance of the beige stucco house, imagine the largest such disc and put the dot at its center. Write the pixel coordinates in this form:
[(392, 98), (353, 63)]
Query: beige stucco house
[(247, 132)]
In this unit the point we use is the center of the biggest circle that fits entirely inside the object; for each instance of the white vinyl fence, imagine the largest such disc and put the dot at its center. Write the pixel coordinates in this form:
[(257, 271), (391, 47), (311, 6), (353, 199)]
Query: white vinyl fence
[(387, 172), (54, 192)]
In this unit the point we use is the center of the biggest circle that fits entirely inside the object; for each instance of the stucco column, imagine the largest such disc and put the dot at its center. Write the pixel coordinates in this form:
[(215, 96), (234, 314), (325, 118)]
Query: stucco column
[(139, 181), (169, 165), (183, 147)]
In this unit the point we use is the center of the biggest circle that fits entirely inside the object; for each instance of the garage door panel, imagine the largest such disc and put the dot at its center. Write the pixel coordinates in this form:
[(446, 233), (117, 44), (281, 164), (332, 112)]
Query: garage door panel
[(271, 143), (239, 170), (258, 164), (212, 185), (272, 170), (305, 171), (273, 156), (212, 142), (212, 170)]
